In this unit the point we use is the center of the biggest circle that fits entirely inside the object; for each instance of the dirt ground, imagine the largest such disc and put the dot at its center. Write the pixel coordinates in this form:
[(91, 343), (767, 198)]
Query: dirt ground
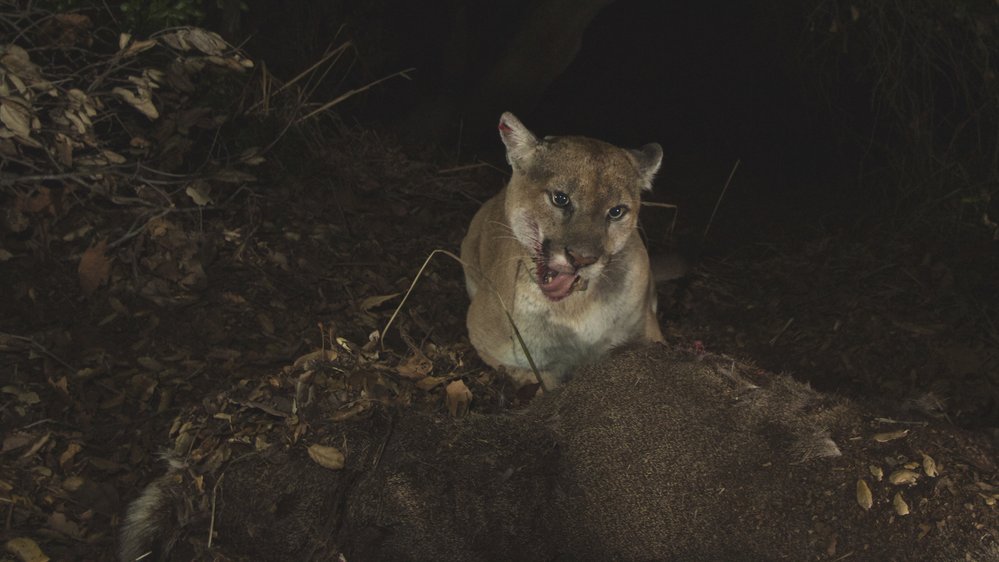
[(196, 304)]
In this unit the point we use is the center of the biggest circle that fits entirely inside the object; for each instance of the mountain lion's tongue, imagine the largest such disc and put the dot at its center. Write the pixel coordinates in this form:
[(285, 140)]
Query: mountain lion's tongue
[(555, 285)]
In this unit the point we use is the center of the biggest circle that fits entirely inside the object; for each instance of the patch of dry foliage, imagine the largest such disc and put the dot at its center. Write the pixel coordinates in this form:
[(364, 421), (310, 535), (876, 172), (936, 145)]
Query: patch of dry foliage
[(127, 128), (144, 269)]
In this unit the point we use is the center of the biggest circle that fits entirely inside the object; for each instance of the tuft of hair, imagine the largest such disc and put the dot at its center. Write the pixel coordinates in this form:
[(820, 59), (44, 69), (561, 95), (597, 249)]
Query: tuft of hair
[(792, 412), (927, 404), (817, 445), (153, 519)]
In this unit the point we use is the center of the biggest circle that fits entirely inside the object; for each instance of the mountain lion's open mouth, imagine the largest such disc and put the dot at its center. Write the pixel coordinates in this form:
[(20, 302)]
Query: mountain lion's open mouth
[(556, 285), (557, 282)]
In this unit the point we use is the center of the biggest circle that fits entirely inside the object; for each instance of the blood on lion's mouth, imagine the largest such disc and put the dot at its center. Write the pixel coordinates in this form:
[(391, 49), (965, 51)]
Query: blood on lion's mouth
[(556, 285)]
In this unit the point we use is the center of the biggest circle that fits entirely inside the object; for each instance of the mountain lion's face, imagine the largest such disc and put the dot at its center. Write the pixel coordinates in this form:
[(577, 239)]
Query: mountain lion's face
[(573, 202)]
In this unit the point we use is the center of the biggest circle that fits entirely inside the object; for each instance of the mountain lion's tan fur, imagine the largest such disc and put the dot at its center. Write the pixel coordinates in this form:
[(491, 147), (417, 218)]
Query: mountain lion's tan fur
[(559, 248)]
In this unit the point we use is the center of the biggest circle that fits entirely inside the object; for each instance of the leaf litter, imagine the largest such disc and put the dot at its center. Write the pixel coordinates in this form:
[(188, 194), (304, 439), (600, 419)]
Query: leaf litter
[(140, 317)]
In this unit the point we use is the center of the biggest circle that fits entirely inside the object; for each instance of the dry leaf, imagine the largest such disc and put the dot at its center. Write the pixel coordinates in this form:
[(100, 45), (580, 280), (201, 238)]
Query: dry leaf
[(198, 193), (76, 121), (159, 227), (145, 83), (899, 504), (864, 497), (374, 302), (232, 63), (139, 46), (28, 397), (428, 383), (71, 450), (16, 115), (64, 149), (74, 20), (150, 364), (38, 201), (458, 398), (890, 435), (310, 358), (326, 456), (73, 483), (877, 472), (113, 157), (353, 411), (415, 367), (36, 446), (16, 440), (176, 41), (58, 522), (903, 477), (16, 59), (234, 298), (207, 42), (26, 550), (233, 176), (930, 466), (61, 384), (154, 77), (92, 161), (95, 267), (139, 142), (142, 102), (19, 85), (204, 41), (251, 156), (79, 100)]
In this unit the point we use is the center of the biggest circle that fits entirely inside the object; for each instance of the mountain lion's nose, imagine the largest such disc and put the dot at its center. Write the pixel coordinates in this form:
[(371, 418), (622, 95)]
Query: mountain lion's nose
[(579, 260)]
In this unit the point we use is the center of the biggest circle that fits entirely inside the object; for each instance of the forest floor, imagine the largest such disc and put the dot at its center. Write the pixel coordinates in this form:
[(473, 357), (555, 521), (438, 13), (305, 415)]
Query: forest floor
[(196, 305)]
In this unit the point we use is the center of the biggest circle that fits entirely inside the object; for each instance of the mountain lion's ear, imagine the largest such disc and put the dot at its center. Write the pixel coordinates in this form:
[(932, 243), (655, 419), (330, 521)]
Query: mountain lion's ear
[(647, 160), (520, 143)]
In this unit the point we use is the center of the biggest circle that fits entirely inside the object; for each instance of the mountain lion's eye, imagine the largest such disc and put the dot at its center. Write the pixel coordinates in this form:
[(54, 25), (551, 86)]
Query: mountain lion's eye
[(560, 199), (616, 213)]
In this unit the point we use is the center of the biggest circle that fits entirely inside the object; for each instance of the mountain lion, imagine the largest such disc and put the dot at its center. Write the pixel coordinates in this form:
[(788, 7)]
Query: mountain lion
[(559, 250)]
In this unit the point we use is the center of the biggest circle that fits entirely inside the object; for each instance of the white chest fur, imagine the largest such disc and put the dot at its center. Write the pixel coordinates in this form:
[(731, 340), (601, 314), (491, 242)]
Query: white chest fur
[(585, 325)]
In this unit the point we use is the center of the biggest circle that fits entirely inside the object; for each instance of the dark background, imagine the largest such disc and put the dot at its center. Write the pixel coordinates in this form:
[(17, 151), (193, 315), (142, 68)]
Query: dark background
[(788, 88)]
